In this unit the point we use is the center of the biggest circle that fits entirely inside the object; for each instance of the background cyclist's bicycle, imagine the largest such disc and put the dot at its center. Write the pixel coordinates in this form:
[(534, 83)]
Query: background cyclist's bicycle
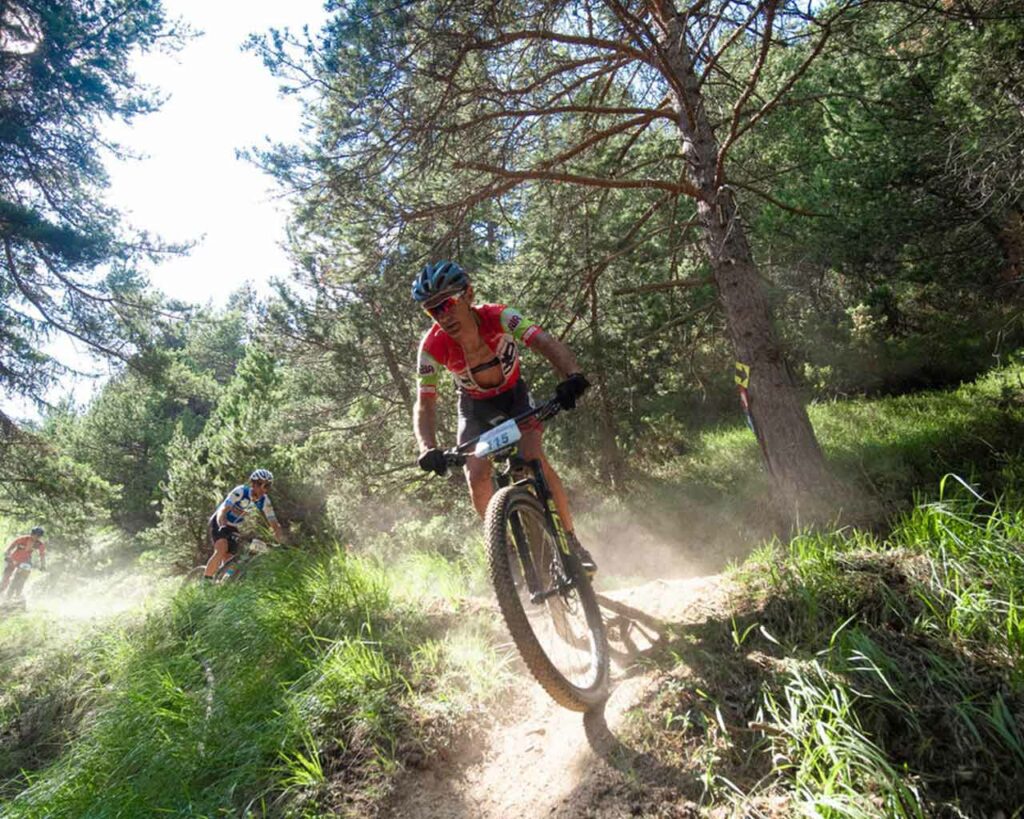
[(235, 566), (14, 596)]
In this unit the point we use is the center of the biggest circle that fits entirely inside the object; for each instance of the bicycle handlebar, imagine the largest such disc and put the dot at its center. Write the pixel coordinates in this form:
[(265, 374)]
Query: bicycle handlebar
[(456, 456)]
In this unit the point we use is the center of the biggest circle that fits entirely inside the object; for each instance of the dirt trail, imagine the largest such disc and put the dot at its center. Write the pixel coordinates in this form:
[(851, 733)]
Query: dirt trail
[(94, 599), (539, 759)]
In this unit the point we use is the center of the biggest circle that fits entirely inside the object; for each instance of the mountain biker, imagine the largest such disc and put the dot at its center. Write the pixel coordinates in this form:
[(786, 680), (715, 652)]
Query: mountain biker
[(20, 551), (232, 511), (479, 345)]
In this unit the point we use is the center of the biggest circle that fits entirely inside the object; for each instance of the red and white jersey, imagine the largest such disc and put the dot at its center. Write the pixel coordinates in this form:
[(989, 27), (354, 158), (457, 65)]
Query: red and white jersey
[(21, 548), (502, 328)]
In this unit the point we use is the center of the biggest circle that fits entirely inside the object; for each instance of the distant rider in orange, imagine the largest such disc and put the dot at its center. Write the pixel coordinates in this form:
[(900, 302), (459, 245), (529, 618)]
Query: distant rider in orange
[(479, 345), (232, 511), (20, 551)]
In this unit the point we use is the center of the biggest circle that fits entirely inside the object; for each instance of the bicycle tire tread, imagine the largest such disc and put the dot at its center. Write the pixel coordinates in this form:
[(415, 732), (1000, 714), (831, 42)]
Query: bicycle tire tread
[(543, 670)]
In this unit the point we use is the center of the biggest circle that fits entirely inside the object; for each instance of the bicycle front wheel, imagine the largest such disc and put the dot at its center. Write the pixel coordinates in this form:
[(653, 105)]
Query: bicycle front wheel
[(16, 590), (561, 636)]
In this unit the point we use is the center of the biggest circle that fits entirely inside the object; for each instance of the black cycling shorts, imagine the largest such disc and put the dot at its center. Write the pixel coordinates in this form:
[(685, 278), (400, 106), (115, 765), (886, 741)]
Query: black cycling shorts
[(477, 415), (228, 533)]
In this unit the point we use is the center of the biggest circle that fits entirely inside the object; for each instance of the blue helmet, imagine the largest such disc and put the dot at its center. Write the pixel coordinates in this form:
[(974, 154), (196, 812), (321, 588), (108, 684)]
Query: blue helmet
[(438, 279)]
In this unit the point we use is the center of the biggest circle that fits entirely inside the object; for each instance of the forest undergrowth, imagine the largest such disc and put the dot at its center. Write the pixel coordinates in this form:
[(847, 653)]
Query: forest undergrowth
[(858, 674)]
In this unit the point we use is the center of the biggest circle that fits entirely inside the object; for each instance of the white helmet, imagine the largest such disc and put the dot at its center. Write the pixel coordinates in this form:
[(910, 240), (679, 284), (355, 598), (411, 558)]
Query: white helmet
[(262, 475)]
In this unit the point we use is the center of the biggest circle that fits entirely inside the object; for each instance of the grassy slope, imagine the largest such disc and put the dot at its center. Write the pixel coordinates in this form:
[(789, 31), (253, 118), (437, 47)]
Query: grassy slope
[(299, 686), (857, 676), (309, 684), (861, 675), (888, 449)]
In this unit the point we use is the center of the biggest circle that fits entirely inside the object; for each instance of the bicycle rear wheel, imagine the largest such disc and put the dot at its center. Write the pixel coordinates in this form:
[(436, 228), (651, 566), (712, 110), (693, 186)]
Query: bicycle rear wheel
[(560, 638), (193, 575)]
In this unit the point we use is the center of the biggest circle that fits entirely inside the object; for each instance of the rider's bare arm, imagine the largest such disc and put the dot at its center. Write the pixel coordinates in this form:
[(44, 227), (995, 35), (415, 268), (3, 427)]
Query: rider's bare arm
[(13, 547), (424, 421), (560, 356), (278, 530), (267, 509)]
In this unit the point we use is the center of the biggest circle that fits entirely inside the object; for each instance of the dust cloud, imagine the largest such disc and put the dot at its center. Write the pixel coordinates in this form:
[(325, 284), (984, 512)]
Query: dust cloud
[(85, 600), (630, 544)]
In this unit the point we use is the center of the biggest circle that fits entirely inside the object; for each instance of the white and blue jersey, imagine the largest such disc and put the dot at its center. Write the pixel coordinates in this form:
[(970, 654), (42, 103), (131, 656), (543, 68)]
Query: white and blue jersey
[(239, 503)]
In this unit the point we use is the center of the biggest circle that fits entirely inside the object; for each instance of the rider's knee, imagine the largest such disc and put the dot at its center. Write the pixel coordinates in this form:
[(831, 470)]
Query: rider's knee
[(478, 472)]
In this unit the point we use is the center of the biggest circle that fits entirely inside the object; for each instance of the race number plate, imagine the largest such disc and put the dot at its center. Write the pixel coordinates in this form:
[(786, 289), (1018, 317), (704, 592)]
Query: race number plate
[(498, 438)]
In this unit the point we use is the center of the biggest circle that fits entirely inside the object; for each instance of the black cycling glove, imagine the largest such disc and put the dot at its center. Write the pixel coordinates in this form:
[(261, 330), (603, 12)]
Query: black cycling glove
[(568, 391), (433, 461)]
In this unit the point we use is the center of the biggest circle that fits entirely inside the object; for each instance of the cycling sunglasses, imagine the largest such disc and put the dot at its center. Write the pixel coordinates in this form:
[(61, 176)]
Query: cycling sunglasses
[(443, 306)]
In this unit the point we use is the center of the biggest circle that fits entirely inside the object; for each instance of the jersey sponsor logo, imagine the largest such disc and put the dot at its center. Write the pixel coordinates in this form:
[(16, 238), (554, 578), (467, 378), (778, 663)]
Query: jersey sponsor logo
[(514, 321), (507, 355), (427, 369)]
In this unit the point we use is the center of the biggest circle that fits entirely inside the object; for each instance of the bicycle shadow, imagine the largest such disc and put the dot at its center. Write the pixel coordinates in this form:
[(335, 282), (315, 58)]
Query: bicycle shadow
[(636, 639), (641, 767), (632, 633)]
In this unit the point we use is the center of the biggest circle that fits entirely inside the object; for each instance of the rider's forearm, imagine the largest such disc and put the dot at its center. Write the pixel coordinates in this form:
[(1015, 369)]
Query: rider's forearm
[(560, 356), (424, 421), (222, 516)]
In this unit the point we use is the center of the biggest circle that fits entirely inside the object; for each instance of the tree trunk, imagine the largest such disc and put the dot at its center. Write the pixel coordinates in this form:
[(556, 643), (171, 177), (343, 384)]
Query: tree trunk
[(1011, 243), (784, 430), (611, 458), (608, 429), (391, 362)]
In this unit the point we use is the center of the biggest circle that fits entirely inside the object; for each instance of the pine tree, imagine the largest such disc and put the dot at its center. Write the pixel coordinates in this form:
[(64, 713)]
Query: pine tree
[(67, 264)]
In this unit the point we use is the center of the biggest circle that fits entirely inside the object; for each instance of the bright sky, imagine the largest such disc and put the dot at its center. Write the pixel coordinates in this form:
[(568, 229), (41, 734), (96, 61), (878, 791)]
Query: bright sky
[(190, 186)]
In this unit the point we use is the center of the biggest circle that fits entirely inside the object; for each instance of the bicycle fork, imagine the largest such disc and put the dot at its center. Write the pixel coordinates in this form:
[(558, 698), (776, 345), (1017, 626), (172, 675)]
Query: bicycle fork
[(554, 526)]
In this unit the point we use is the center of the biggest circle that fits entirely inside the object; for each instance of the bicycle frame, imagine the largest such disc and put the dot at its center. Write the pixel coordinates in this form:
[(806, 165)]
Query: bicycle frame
[(539, 485), (236, 562), (16, 584)]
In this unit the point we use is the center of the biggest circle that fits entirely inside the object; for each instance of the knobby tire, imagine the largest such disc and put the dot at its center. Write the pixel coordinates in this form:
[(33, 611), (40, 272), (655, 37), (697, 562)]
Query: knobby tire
[(194, 575), (516, 504)]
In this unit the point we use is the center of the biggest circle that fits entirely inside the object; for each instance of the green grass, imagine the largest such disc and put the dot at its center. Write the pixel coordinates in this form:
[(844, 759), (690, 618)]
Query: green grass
[(300, 687), (859, 676), (885, 449), (899, 445), (856, 674)]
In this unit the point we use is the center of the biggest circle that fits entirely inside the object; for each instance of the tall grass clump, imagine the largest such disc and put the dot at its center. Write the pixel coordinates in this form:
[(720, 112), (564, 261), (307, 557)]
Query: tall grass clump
[(48, 685), (897, 671), (293, 691), (820, 747)]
